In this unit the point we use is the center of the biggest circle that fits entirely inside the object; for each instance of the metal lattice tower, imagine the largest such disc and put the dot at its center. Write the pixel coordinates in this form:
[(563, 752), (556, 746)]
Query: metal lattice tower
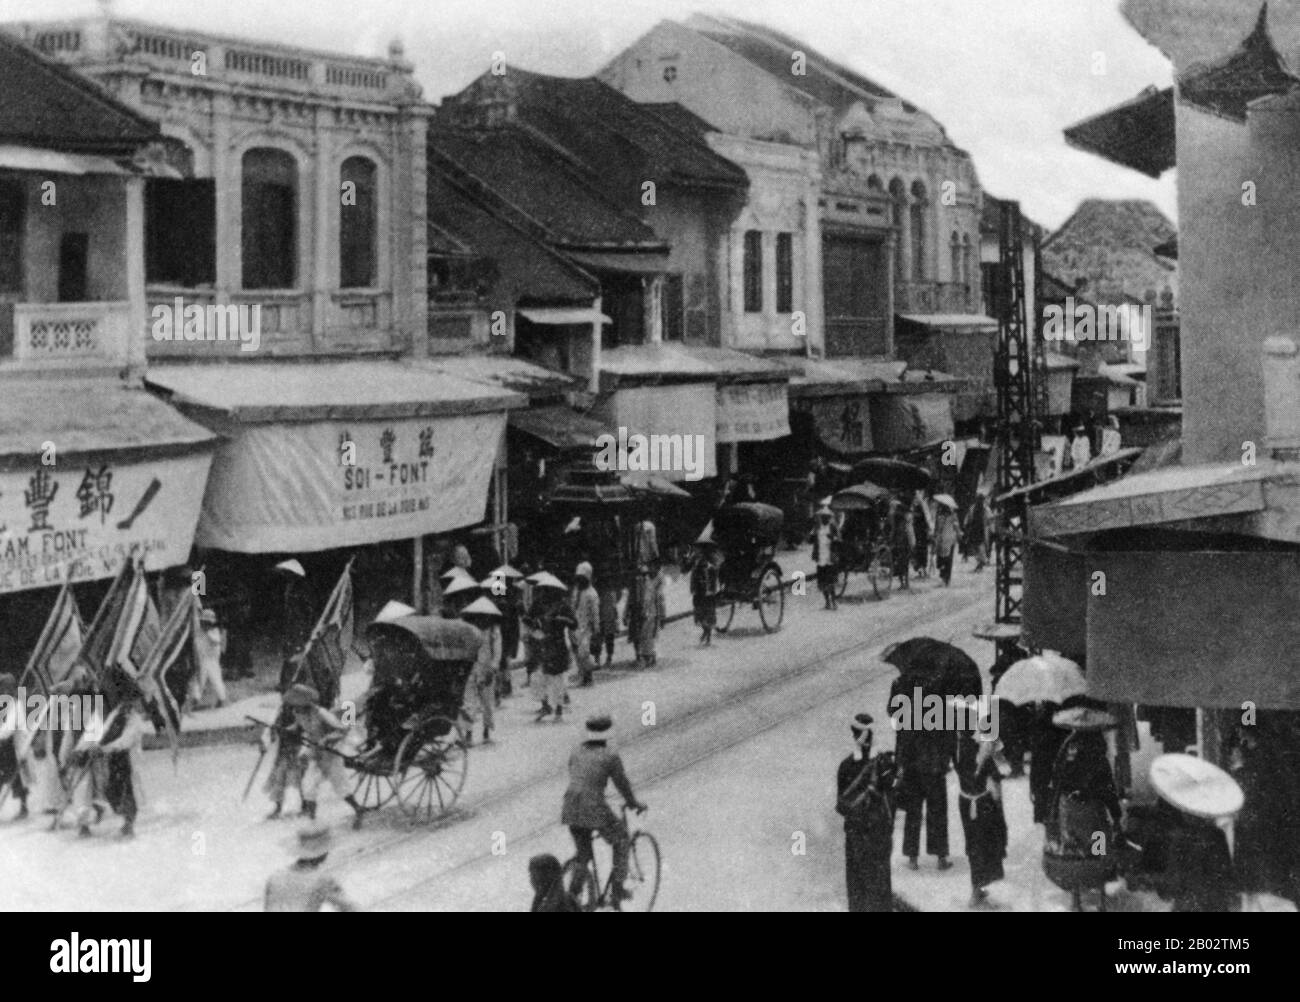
[(1016, 432)]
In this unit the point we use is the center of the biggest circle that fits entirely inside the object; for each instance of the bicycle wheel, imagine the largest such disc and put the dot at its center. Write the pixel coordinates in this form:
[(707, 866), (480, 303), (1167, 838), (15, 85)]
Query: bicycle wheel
[(642, 873), (582, 883), (725, 618)]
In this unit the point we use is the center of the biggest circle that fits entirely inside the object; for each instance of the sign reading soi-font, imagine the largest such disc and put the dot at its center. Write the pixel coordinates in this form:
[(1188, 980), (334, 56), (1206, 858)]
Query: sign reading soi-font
[(78, 520), (327, 484)]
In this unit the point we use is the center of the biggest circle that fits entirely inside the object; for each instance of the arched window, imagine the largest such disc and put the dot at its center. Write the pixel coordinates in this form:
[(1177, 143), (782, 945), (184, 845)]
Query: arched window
[(920, 205), (954, 248), (897, 210), (269, 236), (358, 268), (874, 183), (180, 224)]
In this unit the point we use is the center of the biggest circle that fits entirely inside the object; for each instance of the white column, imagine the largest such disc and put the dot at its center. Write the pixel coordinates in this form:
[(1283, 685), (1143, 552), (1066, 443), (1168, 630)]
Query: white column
[(814, 297), (134, 349), (226, 178), (653, 298), (593, 381), (323, 221)]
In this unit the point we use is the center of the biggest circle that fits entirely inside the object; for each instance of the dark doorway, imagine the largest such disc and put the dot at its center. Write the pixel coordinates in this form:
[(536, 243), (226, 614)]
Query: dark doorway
[(74, 252), (857, 296)]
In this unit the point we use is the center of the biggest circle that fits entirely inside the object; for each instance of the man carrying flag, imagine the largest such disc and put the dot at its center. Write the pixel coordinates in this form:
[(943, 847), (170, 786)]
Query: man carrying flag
[(321, 664)]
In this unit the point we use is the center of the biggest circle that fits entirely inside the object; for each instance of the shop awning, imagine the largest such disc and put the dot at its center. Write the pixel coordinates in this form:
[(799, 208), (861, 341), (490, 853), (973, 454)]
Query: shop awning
[(559, 427), (632, 263), (1138, 134), (50, 162), (675, 424), (1076, 480), (837, 377), (1173, 494), (670, 361), (752, 412), (125, 472), (974, 322), (251, 393), (904, 423), (504, 372), (560, 315), (1211, 629)]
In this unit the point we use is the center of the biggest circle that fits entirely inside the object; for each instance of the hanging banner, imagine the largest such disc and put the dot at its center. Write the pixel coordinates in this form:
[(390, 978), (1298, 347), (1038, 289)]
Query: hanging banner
[(752, 412), (79, 521), (843, 424), (322, 485)]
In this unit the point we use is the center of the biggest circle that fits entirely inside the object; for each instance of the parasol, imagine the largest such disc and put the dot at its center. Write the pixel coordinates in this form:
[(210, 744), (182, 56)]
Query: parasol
[(1042, 678), (893, 474), (862, 497), (454, 574), (1196, 786), (946, 500), (932, 663)]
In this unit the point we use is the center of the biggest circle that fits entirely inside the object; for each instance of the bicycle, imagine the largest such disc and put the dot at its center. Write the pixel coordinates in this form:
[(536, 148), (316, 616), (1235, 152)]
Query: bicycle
[(642, 884)]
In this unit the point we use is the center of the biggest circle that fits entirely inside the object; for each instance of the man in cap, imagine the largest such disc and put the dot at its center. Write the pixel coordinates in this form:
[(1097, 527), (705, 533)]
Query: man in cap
[(825, 553), (591, 768), (321, 733), (302, 887), (864, 786), (586, 611), (209, 646)]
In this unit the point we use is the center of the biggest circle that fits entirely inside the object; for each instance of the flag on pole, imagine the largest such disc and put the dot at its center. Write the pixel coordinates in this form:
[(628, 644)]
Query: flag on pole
[(138, 627), (326, 652), (166, 668), (97, 642), (60, 640)]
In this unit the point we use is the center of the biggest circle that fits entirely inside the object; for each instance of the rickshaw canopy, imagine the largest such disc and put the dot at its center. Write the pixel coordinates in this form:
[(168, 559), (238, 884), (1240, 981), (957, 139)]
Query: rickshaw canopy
[(862, 497), (440, 639), (736, 521)]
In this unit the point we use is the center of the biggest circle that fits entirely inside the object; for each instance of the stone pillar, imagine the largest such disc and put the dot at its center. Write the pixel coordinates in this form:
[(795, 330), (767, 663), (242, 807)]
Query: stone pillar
[(410, 270), (326, 200), (137, 317), (593, 380), (814, 293), (225, 176), (653, 302)]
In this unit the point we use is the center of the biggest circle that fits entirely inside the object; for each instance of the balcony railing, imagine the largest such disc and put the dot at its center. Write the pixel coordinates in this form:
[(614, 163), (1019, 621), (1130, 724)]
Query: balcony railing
[(243, 60), (935, 297), (70, 334)]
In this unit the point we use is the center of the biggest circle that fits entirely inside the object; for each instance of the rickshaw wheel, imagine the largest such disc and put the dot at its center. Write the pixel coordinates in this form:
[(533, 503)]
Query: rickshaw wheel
[(725, 619), (373, 790), (428, 771), (771, 598), (881, 571)]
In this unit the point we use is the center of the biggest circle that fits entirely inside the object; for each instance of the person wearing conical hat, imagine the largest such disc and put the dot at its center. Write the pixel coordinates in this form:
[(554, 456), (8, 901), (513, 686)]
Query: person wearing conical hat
[(864, 785), (553, 618), (483, 614), (705, 584), (302, 887)]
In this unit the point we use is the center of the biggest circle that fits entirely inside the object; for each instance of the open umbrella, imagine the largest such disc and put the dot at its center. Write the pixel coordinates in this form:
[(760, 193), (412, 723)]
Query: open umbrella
[(946, 500), (936, 665), (893, 474), (1042, 678), (862, 497), (1084, 718)]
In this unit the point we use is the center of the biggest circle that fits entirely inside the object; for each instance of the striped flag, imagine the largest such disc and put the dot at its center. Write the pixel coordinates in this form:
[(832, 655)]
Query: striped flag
[(97, 643), (159, 679), (59, 642), (138, 627), (330, 642)]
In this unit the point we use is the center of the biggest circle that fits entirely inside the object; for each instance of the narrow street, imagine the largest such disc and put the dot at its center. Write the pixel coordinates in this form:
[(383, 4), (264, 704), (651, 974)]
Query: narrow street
[(748, 731)]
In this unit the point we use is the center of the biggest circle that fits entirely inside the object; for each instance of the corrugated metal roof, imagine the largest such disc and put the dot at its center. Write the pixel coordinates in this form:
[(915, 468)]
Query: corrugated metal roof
[(53, 107), (85, 415), (260, 392)]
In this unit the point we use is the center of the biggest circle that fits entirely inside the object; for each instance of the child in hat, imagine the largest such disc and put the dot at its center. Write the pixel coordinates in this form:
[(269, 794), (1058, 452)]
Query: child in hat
[(302, 887)]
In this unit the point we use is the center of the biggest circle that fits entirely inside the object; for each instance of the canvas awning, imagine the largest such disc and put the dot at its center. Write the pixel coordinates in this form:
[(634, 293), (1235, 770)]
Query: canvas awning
[(559, 427), (327, 455), (685, 418), (752, 412), (1138, 134), (952, 321), (124, 472), (904, 423), (560, 315)]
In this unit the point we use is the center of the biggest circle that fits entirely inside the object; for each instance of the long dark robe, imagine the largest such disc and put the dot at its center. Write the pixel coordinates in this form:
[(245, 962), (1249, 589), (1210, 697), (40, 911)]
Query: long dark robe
[(868, 840), (982, 821), (1045, 742)]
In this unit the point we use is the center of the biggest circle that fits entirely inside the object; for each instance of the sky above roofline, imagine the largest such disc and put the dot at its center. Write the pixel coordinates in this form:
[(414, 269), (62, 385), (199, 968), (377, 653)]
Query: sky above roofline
[(1004, 77)]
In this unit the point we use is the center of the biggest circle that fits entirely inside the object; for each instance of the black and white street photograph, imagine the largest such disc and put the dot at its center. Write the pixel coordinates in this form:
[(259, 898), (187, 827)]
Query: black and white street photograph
[(684, 456)]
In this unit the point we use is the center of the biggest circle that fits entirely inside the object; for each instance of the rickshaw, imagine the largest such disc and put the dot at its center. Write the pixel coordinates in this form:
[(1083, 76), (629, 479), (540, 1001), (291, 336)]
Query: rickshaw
[(864, 543), (747, 534), (416, 745)]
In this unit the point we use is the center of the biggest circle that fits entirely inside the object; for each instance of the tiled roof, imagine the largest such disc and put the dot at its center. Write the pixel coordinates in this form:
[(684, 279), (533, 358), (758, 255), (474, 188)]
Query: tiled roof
[(535, 179), (1112, 245), (680, 117), (540, 274), (1206, 31), (621, 142), (51, 107)]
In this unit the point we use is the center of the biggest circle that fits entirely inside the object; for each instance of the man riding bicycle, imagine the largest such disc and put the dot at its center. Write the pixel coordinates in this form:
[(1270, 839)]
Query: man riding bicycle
[(591, 767)]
